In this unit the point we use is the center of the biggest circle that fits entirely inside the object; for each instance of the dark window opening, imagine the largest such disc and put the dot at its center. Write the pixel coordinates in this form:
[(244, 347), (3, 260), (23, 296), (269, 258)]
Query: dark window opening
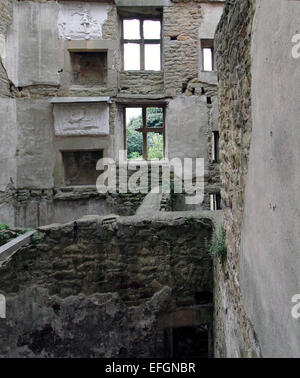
[(144, 130), (207, 48), (215, 146), (203, 297), (215, 202), (187, 342), (89, 68), (80, 167), (141, 42), (208, 100)]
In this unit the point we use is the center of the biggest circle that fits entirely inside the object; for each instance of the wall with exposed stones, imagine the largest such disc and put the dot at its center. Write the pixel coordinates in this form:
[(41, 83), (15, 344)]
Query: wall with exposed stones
[(234, 333), (36, 207), (5, 21), (8, 126), (37, 67), (256, 281), (269, 263), (113, 274), (181, 44), (141, 83)]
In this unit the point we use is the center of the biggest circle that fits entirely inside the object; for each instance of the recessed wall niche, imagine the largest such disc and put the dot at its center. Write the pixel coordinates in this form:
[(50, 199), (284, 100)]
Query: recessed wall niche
[(89, 68), (80, 167)]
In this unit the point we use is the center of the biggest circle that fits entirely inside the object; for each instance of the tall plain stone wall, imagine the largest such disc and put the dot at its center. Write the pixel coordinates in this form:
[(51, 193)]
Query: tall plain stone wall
[(259, 109), (5, 20), (234, 333), (8, 127), (269, 261)]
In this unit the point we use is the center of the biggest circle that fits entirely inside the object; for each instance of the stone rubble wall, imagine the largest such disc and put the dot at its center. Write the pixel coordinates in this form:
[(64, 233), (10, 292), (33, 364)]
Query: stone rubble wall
[(7, 130), (181, 44), (65, 328), (141, 83), (38, 207), (112, 274), (234, 334)]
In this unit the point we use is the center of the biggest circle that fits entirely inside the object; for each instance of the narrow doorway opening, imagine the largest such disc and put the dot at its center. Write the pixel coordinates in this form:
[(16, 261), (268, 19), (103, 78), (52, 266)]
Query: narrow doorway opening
[(188, 342)]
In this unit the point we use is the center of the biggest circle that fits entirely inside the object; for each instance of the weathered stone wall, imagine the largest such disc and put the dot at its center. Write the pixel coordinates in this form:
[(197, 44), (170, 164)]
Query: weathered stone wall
[(66, 327), (269, 261), (109, 273), (8, 129), (141, 83), (5, 20), (110, 28), (182, 79), (181, 44), (234, 334), (38, 207), (38, 65)]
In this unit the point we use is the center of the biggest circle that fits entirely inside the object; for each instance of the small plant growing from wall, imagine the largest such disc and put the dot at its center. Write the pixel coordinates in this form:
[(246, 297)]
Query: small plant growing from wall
[(3, 226), (23, 231), (37, 237), (189, 220), (7, 233), (217, 246), (3, 232)]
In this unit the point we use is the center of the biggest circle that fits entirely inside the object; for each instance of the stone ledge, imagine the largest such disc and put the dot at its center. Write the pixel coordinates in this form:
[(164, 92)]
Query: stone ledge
[(143, 3), (69, 100), (10, 248)]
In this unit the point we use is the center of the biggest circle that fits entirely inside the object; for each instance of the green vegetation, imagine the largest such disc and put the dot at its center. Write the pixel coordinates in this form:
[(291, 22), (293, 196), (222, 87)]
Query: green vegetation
[(3, 233), (23, 231), (217, 246), (37, 237), (154, 140), (189, 220), (134, 138), (6, 234), (155, 146)]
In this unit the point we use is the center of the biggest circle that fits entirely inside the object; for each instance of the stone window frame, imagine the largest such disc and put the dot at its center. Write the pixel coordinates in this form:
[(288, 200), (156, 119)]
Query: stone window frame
[(145, 130), (142, 42)]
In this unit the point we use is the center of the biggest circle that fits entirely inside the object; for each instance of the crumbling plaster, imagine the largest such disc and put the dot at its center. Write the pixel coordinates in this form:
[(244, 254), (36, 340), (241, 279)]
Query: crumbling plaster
[(39, 69)]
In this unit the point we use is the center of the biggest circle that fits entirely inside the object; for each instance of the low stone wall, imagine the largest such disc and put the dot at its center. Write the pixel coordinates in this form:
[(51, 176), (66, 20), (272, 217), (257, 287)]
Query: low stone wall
[(38, 207), (112, 274)]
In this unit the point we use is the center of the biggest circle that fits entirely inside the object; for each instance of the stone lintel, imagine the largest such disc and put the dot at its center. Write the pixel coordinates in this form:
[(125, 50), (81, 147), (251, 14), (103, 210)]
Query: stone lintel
[(69, 100)]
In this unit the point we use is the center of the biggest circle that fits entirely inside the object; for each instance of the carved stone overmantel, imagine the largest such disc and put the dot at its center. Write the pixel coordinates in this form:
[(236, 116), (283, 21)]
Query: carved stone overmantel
[(81, 116), (78, 21)]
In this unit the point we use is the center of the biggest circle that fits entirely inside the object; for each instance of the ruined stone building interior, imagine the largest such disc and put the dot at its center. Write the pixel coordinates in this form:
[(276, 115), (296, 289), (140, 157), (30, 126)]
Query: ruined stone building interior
[(149, 274)]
